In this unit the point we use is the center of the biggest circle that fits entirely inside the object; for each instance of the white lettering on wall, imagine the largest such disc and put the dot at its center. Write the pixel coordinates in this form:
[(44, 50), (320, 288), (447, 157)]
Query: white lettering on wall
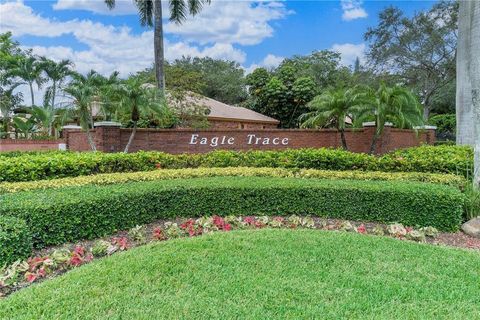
[(252, 139)]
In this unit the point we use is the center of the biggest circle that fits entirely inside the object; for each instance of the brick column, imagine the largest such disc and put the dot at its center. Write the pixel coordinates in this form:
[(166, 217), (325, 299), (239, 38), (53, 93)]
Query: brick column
[(107, 136)]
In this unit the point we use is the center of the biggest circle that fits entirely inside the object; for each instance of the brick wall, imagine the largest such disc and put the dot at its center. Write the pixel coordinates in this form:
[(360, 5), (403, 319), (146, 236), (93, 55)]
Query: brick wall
[(114, 139), (29, 145)]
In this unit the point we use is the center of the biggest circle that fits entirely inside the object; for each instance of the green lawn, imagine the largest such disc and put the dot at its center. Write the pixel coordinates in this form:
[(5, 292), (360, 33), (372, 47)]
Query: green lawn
[(263, 274)]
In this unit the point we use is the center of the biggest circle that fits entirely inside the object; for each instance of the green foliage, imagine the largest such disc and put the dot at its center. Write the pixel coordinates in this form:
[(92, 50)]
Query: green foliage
[(423, 54), (87, 212), (50, 165), (446, 125), (15, 240), (169, 174), (282, 95)]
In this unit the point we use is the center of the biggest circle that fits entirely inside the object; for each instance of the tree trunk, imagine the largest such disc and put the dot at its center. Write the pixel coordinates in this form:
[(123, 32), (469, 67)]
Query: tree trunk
[(31, 93), (465, 57), (344, 140), (132, 136), (54, 89), (90, 140), (475, 78), (373, 146), (158, 46)]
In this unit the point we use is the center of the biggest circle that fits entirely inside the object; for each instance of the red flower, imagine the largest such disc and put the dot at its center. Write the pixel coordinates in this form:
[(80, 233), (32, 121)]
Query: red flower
[(30, 277), (249, 220), (121, 243), (409, 229), (227, 227), (76, 260), (158, 165), (362, 229), (79, 250), (158, 234), (41, 272)]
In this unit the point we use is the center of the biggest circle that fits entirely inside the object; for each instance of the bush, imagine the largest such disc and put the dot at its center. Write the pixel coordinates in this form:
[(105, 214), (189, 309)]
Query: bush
[(15, 240), (51, 165), (69, 214), (441, 159), (168, 174)]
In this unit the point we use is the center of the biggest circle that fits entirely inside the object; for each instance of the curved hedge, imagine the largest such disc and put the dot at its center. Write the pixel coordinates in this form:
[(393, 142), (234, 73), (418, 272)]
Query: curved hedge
[(167, 174), (69, 214), (51, 165), (15, 240)]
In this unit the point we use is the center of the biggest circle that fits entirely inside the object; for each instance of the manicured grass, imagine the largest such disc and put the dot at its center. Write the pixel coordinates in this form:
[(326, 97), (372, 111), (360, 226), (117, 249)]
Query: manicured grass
[(263, 274)]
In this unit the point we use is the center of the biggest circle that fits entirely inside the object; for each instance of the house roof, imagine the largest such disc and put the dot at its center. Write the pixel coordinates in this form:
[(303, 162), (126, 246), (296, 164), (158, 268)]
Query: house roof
[(222, 111)]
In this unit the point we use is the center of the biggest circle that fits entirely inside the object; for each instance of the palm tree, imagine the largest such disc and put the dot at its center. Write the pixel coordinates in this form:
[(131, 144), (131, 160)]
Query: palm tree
[(137, 98), (8, 101), (57, 73), (391, 104), (82, 90), (150, 12), (333, 108), (468, 81), (27, 68)]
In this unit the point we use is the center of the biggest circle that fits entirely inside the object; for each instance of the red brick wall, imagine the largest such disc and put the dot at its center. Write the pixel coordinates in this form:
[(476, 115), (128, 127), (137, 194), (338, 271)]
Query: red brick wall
[(28, 145), (112, 139)]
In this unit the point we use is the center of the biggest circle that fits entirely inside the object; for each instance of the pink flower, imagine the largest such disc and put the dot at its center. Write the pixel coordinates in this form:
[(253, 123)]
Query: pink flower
[(227, 227), (30, 277), (362, 229)]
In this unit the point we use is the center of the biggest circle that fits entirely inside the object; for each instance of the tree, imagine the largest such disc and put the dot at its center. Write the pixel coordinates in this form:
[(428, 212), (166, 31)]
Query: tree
[(420, 50), (390, 104), (332, 108), (137, 98), (56, 72), (281, 95), (223, 80), (468, 81), (150, 12), (29, 69), (82, 91)]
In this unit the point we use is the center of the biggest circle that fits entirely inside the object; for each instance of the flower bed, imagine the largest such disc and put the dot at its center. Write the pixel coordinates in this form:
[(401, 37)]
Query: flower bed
[(168, 174), (38, 166), (54, 261), (61, 215)]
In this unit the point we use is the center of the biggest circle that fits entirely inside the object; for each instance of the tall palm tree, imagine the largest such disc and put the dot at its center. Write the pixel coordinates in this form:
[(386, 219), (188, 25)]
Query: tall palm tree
[(57, 72), (391, 104), (468, 80), (150, 12), (82, 90), (332, 108), (28, 69)]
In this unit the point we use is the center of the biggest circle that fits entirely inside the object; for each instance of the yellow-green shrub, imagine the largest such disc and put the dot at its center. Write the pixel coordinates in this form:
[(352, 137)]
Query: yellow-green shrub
[(168, 174)]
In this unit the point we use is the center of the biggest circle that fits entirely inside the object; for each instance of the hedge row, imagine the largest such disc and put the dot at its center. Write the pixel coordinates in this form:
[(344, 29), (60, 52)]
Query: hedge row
[(15, 240), (167, 174), (62, 215), (37, 166)]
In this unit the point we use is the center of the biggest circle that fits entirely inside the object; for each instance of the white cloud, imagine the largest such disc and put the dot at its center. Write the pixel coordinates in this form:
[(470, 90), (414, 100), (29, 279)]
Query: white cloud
[(350, 52), (122, 7), (352, 9), (242, 22), (269, 62)]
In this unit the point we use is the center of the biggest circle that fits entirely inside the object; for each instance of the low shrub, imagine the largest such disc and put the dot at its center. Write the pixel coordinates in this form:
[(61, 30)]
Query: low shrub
[(168, 174), (51, 165), (15, 240), (63, 215), (440, 159)]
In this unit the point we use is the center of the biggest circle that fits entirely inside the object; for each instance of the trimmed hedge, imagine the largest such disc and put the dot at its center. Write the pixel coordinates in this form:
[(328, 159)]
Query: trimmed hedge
[(51, 165), (87, 212), (167, 174), (15, 240)]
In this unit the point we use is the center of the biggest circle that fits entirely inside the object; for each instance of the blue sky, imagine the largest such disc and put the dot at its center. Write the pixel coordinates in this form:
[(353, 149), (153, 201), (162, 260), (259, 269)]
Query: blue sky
[(250, 32)]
